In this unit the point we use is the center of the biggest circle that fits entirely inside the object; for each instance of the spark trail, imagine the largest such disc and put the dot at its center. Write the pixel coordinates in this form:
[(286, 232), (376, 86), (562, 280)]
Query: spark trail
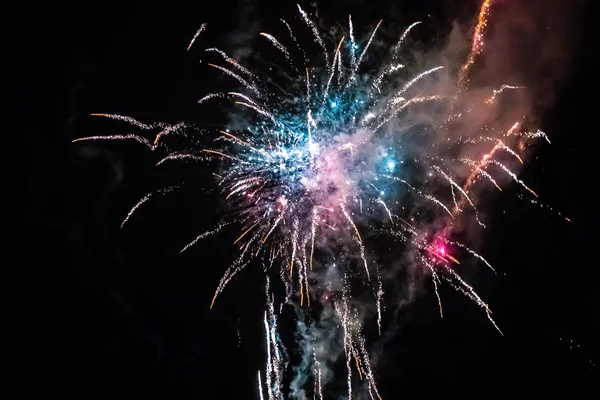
[(324, 162)]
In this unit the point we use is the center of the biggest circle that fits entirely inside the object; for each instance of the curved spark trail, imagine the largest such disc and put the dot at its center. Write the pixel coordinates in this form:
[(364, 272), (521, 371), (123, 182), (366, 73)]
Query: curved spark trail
[(322, 164)]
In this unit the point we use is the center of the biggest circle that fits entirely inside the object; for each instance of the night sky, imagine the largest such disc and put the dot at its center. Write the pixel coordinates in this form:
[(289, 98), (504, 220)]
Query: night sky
[(100, 312)]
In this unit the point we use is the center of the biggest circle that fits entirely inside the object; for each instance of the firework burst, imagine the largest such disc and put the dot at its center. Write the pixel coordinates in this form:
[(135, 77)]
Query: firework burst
[(325, 163)]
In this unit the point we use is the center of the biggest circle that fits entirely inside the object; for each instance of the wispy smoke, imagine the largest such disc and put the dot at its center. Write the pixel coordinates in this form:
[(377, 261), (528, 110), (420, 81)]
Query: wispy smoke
[(527, 47), (321, 341), (525, 55), (247, 31), (386, 157)]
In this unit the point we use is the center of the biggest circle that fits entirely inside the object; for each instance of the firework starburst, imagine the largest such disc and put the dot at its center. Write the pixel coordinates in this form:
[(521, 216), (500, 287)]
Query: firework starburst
[(324, 162)]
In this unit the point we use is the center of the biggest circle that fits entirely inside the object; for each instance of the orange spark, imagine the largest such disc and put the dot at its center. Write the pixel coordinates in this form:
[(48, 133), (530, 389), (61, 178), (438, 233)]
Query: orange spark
[(221, 154), (340, 44), (477, 43), (358, 367), (158, 136), (243, 234), (512, 129), (232, 136), (453, 259)]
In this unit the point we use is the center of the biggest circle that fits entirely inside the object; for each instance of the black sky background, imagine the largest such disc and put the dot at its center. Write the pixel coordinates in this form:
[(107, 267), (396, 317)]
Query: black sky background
[(96, 311)]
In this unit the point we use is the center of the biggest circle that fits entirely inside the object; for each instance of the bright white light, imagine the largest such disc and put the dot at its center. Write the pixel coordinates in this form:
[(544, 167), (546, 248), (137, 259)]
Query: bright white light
[(368, 117), (314, 148)]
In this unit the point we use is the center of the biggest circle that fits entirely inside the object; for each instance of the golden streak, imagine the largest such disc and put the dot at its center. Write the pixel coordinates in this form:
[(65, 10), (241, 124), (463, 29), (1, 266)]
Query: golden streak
[(232, 136), (358, 367), (158, 136), (340, 45), (271, 230), (484, 13), (452, 258), (292, 270), (244, 234), (265, 238), (512, 129), (240, 141), (357, 234), (221, 154)]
